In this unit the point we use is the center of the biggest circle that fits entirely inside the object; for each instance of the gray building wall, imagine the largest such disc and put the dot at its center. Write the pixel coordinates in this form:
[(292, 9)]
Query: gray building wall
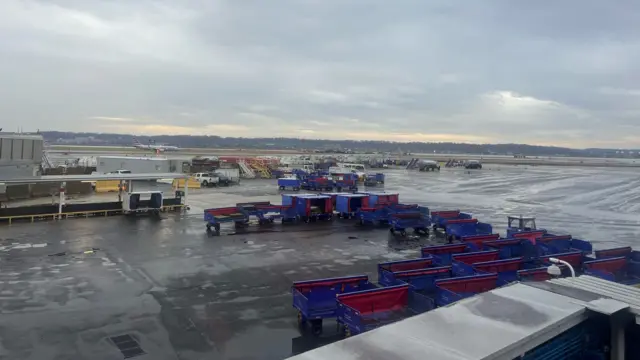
[(20, 155)]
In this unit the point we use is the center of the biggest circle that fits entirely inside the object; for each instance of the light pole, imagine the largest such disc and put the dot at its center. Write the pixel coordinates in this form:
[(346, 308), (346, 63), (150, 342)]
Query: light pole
[(555, 270)]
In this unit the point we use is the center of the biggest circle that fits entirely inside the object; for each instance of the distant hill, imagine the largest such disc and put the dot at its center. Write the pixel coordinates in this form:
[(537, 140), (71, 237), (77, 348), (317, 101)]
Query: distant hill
[(70, 138)]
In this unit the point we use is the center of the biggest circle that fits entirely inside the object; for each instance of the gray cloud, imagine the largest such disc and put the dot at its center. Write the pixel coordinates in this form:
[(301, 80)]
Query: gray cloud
[(564, 73)]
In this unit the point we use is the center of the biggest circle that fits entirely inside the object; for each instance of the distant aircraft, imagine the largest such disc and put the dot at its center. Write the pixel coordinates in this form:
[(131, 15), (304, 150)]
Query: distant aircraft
[(154, 147)]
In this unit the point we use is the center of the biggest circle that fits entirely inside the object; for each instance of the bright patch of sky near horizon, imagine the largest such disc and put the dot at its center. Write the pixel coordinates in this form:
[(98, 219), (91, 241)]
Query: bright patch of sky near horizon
[(552, 73)]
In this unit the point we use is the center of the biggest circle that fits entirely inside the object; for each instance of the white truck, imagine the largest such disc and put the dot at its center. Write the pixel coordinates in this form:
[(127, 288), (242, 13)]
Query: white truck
[(207, 179)]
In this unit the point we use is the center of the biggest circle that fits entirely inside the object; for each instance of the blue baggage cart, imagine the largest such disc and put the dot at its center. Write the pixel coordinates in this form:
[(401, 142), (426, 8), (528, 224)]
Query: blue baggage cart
[(216, 216), (454, 289), (457, 228), (366, 310), (621, 269), (289, 183), (402, 221), (315, 300), (387, 270), (311, 207), (439, 218), (347, 205)]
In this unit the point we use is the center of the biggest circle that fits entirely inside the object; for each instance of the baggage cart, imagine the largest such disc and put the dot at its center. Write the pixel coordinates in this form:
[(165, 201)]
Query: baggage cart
[(439, 218), (621, 269), (387, 270), (315, 300), (442, 254), (347, 205), (381, 198), (289, 183), (311, 207), (402, 221), (216, 216), (457, 228), (476, 242), (366, 310), (460, 262), (458, 288), (346, 182), (508, 270)]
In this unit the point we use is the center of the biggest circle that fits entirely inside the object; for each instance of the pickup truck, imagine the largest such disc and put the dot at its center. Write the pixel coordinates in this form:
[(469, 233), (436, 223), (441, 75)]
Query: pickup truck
[(223, 180), (207, 179)]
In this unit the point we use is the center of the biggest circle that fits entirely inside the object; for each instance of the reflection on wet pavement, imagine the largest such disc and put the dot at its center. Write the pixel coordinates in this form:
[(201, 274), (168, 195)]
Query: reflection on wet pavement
[(185, 295)]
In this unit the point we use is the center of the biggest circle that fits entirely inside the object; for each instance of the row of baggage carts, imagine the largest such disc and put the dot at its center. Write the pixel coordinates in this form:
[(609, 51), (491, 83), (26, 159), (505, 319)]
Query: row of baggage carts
[(366, 208), (319, 181), (444, 274)]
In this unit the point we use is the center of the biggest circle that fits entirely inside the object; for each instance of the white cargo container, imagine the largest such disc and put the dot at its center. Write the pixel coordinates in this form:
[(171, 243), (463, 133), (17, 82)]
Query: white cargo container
[(20, 155), (231, 173), (137, 165)]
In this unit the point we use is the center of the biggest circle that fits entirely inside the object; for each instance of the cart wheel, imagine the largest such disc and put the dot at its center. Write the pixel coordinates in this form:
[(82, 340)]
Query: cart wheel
[(316, 327), (347, 331), (392, 231), (306, 219), (435, 227), (271, 221), (301, 320), (208, 227), (403, 233)]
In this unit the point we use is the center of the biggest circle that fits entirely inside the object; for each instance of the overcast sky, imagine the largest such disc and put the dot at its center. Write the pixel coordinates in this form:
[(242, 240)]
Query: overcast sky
[(541, 72)]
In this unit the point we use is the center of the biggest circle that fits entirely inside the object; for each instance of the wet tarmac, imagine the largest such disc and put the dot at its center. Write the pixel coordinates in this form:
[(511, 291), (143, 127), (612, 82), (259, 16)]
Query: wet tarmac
[(68, 287)]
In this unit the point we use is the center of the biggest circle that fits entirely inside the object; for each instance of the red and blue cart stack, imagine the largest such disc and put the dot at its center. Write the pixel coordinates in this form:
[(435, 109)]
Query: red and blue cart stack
[(348, 205), (457, 228), (366, 310), (440, 218), (315, 300)]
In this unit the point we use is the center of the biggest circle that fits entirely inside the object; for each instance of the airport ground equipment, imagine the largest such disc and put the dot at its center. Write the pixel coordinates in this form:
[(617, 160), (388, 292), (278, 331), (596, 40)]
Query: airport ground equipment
[(455, 229), (439, 218), (365, 310), (402, 221), (315, 300), (142, 201), (289, 183), (347, 205)]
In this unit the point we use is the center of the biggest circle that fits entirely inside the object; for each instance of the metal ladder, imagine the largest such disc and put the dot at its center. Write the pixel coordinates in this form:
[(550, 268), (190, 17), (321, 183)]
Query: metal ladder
[(46, 162), (247, 172), (262, 169)]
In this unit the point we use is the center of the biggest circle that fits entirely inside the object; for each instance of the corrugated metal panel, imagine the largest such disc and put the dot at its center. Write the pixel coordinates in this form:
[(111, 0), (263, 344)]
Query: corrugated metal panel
[(5, 149), (37, 150), (623, 293), (27, 149), (16, 152)]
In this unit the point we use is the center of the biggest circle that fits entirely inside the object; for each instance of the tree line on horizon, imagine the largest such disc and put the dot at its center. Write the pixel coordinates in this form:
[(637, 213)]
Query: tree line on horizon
[(207, 141)]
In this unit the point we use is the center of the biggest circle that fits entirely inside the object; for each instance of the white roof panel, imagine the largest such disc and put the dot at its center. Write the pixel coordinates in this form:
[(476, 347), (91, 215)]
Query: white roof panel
[(500, 324)]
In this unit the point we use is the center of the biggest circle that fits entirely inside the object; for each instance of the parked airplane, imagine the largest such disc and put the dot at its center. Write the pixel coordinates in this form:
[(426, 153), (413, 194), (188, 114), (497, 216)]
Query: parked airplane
[(154, 147)]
